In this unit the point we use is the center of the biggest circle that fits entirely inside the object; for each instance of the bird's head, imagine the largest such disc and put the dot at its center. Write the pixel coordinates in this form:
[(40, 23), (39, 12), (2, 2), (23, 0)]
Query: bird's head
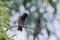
[(24, 15)]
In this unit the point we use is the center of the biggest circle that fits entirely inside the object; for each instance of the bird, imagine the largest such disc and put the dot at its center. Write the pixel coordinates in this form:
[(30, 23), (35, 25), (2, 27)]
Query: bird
[(37, 28), (21, 21)]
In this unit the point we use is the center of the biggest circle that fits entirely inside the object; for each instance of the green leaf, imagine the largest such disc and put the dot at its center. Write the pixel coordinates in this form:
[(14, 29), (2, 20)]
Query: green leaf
[(53, 4), (4, 35), (48, 31), (1, 30), (2, 38), (25, 2), (3, 9), (1, 3), (7, 25), (13, 35)]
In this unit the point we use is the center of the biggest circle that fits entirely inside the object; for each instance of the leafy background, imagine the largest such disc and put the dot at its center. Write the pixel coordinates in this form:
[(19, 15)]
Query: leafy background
[(46, 10)]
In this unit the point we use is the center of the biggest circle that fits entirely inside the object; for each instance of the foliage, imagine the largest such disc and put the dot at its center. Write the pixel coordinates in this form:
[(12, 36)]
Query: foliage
[(6, 6), (4, 21), (53, 4)]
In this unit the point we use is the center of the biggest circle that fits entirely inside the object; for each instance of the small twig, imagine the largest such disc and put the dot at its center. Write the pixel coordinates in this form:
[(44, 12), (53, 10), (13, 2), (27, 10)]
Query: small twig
[(16, 26), (10, 27), (56, 36), (24, 27), (29, 28), (6, 30), (37, 37)]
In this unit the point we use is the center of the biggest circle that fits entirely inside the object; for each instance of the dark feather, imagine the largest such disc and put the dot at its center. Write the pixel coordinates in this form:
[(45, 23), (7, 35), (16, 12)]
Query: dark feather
[(21, 21), (19, 28)]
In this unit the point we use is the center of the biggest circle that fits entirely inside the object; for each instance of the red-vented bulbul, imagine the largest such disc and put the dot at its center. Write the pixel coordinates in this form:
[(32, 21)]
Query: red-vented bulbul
[(37, 28), (21, 21)]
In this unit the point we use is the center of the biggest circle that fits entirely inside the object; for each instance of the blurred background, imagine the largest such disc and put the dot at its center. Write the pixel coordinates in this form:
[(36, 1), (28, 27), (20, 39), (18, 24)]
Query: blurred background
[(48, 11)]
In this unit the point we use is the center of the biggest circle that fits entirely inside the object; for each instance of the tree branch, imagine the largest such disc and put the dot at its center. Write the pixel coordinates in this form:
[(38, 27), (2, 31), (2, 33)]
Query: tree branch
[(24, 27)]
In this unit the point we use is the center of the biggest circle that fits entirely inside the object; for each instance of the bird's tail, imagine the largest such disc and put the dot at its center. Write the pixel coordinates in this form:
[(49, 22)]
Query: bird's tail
[(19, 28)]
